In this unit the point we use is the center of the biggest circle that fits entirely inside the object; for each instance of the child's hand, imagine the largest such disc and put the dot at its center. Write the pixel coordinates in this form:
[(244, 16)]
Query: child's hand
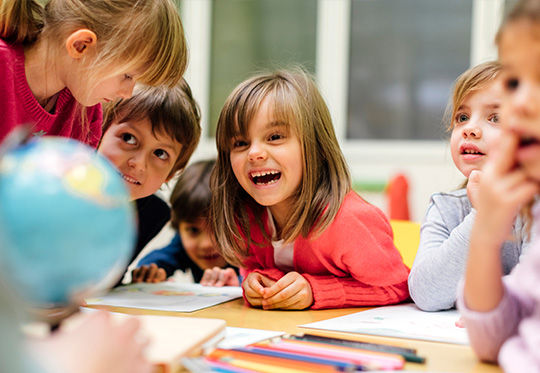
[(291, 292), (151, 273), (473, 186), (219, 277), (253, 286), (503, 190), (96, 344)]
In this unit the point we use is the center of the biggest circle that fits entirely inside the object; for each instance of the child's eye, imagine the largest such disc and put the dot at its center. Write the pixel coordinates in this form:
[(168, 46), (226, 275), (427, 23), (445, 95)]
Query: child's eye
[(161, 154), (512, 84), (193, 230), (129, 138), (460, 118), (128, 77), (494, 119), (239, 143), (276, 136)]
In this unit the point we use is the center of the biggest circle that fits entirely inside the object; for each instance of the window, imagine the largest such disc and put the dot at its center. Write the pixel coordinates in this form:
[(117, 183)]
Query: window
[(250, 35), (404, 57)]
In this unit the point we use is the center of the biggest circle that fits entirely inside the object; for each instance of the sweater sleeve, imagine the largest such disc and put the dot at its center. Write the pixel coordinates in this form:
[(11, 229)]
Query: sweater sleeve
[(365, 268), (489, 330), (441, 259), (167, 258)]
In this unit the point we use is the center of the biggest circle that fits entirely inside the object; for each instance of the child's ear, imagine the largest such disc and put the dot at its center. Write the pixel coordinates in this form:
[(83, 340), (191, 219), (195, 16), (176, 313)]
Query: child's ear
[(80, 43)]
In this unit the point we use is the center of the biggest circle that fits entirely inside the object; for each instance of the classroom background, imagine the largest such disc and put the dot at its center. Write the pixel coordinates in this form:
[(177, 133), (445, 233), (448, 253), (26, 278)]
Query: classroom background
[(385, 68)]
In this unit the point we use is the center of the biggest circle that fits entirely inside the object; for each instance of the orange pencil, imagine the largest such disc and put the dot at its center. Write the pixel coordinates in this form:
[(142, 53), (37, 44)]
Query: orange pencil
[(270, 361)]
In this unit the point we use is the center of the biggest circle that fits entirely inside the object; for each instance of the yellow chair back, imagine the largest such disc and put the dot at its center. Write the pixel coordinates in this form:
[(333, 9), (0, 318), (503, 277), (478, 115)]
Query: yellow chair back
[(406, 239)]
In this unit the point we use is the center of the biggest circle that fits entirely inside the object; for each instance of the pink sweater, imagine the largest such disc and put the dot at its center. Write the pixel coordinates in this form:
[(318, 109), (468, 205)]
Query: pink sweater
[(352, 263), (510, 333), (19, 106)]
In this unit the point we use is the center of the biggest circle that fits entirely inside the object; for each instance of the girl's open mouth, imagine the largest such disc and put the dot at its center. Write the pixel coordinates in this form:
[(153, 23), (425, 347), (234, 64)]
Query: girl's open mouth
[(265, 177)]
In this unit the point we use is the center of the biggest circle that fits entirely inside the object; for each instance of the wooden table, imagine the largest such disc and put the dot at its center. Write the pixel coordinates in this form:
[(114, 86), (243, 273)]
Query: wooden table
[(440, 357)]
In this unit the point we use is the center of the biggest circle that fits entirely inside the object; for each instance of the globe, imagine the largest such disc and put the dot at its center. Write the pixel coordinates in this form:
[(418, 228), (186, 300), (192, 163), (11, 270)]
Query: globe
[(67, 226)]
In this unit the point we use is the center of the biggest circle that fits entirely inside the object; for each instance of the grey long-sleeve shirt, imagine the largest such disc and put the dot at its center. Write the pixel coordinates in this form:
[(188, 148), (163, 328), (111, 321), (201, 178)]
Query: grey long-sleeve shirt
[(444, 246)]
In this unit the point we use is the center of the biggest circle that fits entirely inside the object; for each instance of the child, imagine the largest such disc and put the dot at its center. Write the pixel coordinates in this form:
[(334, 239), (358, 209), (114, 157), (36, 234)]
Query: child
[(192, 246), (58, 62), (283, 205), (150, 138), (501, 315), (444, 238)]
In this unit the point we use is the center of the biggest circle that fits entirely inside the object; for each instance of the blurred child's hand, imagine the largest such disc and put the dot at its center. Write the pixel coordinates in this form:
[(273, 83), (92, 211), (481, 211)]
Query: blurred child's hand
[(220, 277), (151, 273), (473, 185), (95, 344), (291, 292), (503, 190), (253, 286)]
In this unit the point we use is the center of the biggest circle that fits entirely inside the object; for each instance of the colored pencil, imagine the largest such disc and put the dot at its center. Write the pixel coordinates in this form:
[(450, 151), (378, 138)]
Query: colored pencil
[(408, 354), (276, 363), (342, 365), (372, 359)]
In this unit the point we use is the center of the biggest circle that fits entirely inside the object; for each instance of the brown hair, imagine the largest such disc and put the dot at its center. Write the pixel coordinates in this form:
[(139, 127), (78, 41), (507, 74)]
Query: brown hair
[(191, 196), (172, 111), (472, 80), (297, 103)]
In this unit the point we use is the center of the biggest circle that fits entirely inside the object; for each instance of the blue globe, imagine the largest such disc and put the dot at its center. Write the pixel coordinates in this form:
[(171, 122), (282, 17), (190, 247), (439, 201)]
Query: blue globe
[(67, 226)]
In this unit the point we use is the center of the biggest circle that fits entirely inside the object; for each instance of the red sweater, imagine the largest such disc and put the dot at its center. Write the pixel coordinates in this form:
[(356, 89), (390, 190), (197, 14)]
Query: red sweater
[(352, 263), (19, 106)]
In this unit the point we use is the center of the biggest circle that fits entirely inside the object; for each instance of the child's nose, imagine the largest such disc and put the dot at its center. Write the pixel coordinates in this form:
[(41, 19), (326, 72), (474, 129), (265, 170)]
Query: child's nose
[(256, 152), (472, 130), (137, 162)]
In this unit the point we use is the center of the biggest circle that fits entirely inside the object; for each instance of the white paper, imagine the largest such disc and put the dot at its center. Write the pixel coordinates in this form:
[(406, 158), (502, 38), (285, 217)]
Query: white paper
[(241, 337), (167, 296), (402, 321)]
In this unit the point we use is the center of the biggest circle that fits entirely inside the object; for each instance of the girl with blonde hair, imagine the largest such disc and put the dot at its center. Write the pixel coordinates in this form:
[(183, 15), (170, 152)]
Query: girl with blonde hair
[(60, 60)]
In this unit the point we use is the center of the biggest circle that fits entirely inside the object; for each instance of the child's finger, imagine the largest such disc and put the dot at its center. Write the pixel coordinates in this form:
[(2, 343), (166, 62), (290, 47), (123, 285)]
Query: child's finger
[(210, 276), (139, 274), (152, 272), (502, 158), (281, 284), (161, 275)]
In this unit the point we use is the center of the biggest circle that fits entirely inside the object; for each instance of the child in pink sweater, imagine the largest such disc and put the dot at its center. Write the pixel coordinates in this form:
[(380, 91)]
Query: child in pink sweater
[(503, 316)]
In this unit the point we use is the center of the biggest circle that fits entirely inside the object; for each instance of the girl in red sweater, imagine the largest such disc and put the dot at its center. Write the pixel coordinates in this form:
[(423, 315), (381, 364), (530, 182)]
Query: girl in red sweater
[(284, 209)]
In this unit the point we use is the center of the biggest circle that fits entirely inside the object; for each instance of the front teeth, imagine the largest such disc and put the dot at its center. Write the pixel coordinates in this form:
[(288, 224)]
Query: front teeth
[(267, 183), (263, 173), (130, 180), (470, 151)]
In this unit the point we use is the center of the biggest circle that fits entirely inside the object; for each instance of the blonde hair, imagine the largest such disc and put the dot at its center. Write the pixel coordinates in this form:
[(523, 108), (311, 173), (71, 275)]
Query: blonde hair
[(472, 80), (131, 35), (297, 103), (171, 111)]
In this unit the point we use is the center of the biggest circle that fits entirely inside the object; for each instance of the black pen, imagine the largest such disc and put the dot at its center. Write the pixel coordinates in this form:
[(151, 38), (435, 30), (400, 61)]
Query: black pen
[(408, 354)]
